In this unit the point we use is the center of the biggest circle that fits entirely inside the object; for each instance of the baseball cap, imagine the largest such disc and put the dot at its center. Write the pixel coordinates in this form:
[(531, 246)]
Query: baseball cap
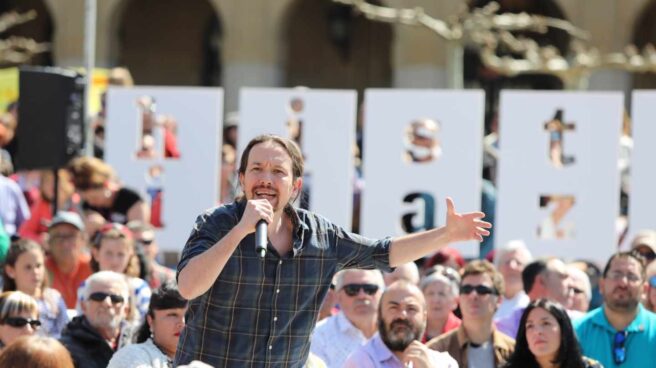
[(67, 217)]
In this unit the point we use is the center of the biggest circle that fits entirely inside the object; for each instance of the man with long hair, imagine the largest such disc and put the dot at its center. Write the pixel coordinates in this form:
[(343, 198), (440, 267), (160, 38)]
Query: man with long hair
[(247, 310)]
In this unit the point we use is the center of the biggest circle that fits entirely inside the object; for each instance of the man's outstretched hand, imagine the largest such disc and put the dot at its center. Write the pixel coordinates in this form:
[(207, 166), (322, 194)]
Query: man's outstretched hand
[(465, 226)]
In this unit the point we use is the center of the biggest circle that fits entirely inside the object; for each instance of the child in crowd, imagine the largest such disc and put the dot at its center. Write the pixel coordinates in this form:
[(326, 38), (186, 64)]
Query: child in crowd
[(25, 271)]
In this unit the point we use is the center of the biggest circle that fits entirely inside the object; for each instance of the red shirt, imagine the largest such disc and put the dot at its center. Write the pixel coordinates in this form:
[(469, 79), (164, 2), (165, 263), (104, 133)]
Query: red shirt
[(452, 322), (67, 283)]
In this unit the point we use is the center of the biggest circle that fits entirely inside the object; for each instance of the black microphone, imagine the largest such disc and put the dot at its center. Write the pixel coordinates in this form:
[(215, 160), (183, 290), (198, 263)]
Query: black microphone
[(261, 238)]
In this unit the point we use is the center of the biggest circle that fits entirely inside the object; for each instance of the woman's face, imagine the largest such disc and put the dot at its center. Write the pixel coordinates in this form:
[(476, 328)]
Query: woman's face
[(440, 300), (28, 271), (166, 325), (9, 333), (113, 255), (543, 334)]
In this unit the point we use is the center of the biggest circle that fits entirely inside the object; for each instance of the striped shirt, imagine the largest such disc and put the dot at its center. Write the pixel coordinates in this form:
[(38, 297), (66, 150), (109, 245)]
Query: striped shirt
[(261, 313)]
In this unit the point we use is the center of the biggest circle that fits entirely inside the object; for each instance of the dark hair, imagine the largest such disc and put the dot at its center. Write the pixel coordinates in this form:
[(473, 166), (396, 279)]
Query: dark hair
[(288, 145), (167, 296), (36, 351), (531, 271), (569, 352), (630, 254), (17, 248), (483, 267)]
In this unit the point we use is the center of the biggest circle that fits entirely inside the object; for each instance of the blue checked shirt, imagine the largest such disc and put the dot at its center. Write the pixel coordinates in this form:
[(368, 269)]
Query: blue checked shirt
[(261, 313)]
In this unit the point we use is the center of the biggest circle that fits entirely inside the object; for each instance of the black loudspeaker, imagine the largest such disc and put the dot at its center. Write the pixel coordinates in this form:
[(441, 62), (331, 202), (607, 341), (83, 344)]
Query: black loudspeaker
[(50, 118)]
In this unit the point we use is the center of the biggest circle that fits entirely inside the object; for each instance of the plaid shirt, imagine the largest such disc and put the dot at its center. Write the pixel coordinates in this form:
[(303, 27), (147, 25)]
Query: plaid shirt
[(261, 313)]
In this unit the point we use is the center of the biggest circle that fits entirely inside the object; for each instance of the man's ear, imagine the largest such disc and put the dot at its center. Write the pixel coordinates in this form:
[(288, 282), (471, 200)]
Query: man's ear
[(11, 272), (298, 186), (241, 181)]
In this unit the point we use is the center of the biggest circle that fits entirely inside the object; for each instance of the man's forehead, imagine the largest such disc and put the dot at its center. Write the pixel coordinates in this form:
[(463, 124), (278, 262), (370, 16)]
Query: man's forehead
[(624, 263), (268, 151), (97, 286), (403, 296), (356, 276), (63, 229), (479, 278)]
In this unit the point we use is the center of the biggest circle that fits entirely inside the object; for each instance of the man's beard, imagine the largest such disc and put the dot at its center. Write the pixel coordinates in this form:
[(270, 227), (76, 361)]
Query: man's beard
[(107, 321), (629, 304), (399, 343)]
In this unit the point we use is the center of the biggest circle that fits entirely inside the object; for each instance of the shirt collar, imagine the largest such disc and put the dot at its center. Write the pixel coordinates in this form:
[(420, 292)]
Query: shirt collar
[(637, 325), (381, 351), (343, 323)]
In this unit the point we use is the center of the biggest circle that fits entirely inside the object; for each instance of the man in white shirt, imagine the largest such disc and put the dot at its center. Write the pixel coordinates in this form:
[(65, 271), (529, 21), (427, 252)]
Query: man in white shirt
[(510, 260), (358, 295)]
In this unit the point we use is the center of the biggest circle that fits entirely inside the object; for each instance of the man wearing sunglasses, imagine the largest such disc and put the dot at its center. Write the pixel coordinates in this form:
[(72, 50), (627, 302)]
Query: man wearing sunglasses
[(358, 295), (476, 343), (93, 337), (620, 333)]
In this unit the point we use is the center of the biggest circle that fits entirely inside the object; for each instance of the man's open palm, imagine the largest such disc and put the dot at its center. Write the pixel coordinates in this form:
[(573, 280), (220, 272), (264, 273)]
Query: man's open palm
[(465, 226)]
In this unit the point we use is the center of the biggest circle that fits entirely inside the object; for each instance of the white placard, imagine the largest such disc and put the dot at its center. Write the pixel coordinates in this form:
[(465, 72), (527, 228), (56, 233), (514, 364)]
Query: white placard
[(189, 185), (327, 119), (643, 175), (578, 131), (410, 168)]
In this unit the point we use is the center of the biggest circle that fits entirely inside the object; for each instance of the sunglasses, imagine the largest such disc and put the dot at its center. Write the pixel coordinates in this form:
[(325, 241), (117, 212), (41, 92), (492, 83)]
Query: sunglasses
[(354, 289), (619, 349), (480, 290), (20, 322), (100, 297)]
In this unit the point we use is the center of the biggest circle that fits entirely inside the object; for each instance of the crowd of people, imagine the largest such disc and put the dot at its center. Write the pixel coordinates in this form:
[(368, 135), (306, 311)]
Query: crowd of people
[(85, 288)]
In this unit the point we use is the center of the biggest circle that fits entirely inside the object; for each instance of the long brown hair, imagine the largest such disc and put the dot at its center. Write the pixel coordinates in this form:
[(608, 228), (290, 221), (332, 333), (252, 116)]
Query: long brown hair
[(17, 248)]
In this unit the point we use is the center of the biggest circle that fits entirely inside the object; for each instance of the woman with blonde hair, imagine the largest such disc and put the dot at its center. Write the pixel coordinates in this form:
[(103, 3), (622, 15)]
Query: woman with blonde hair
[(96, 182), (18, 316)]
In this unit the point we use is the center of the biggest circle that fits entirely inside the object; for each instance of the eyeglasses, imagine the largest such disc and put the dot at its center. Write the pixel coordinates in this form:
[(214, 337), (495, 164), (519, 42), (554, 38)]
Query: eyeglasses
[(354, 289), (480, 290), (618, 276), (619, 349), (20, 322), (100, 297)]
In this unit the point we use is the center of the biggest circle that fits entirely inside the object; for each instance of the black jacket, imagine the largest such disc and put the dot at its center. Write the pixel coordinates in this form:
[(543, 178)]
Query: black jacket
[(87, 347)]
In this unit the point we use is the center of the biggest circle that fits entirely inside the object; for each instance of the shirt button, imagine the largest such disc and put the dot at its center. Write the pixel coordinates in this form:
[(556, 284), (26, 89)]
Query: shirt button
[(277, 291), (275, 319), (270, 347), (279, 262)]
